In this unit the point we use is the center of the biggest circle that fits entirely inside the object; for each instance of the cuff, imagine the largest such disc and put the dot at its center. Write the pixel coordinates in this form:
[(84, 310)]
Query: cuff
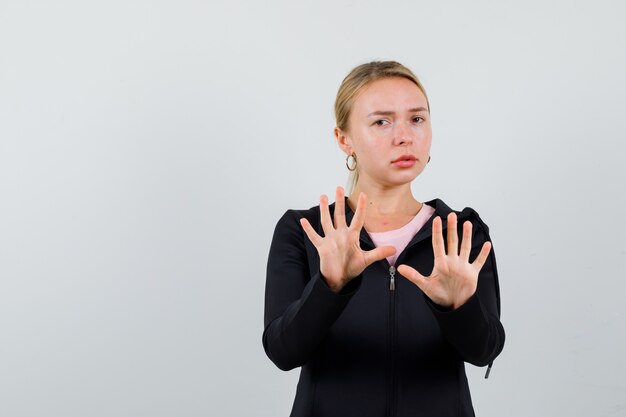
[(469, 318)]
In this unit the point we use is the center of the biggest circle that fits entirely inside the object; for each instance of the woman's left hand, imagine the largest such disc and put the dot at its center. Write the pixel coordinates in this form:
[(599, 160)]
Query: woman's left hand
[(453, 279)]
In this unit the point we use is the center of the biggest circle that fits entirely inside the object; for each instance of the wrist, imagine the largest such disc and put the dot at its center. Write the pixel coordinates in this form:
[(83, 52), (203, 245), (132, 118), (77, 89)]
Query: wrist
[(460, 302), (334, 285)]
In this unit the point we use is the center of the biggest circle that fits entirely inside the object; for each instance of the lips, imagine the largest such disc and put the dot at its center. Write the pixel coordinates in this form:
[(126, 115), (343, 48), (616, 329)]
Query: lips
[(404, 158), (405, 161)]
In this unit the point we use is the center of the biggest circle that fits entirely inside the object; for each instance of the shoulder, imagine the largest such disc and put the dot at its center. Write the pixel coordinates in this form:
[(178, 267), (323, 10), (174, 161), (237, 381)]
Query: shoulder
[(468, 213), (289, 222), (291, 214)]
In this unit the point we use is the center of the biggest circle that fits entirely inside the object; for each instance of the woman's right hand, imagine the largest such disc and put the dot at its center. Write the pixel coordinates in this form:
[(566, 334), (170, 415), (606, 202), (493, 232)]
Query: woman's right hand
[(341, 256)]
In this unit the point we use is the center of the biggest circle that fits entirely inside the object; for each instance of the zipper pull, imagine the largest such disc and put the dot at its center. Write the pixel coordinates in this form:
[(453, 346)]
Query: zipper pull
[(488, 370), (392, 280)]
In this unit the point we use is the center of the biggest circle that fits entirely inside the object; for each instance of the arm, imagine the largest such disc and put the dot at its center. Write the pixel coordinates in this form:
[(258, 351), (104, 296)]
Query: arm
[(301, 303), (299, 306), (462, 290), (474, 328)]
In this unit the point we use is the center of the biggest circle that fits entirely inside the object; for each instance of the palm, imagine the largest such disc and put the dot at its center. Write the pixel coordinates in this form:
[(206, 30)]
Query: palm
[(341, 256), (453, 279)]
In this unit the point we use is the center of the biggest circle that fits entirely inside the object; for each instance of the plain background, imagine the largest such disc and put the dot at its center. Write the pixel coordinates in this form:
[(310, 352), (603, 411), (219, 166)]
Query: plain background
[(148, 148)]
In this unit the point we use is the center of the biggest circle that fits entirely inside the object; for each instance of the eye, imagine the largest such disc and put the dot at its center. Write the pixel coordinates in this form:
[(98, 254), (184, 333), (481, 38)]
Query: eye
[(381, 122), (418, 119)]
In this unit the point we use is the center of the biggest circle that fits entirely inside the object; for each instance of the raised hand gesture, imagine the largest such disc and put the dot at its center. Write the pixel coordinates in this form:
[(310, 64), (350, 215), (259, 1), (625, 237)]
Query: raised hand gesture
[(341, 256), (453, 279)]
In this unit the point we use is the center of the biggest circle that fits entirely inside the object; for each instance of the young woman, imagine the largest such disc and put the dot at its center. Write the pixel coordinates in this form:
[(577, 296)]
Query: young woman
[(366, 295)]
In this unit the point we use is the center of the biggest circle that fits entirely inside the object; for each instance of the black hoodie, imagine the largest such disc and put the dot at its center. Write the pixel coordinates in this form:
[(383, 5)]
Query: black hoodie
[(374, 350)]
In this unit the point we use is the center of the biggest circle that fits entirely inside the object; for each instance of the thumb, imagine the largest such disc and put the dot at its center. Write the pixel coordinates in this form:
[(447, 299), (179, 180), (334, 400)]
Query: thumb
[(412, 275), (377, 254)]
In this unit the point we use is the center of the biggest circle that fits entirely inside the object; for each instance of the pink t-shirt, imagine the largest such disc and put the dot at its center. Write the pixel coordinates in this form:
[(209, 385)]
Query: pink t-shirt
[(401, 237)]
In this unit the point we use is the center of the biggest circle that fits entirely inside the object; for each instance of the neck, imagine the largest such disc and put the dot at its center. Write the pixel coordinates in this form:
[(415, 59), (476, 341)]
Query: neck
[(385, 201)]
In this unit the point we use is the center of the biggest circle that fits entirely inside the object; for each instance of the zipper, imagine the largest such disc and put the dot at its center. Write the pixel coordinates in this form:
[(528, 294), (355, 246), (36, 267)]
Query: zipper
[(392, 342)]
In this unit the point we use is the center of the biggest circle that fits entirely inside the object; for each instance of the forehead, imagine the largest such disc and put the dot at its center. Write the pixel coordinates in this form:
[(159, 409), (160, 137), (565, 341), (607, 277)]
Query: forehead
[(393, 94)]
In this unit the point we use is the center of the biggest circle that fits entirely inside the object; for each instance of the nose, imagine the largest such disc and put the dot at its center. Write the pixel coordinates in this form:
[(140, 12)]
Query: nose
[(403, 135)]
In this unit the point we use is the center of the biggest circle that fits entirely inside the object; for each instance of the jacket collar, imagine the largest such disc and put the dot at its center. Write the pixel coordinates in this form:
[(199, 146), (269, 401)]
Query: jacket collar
[(441, 209)]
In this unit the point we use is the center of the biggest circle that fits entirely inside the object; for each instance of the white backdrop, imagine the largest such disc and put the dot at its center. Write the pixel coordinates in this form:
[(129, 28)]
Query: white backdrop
[(147, 149)]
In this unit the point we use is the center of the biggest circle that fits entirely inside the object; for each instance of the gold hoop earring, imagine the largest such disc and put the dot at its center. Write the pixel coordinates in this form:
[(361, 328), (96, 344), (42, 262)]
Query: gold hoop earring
[(348, 162)]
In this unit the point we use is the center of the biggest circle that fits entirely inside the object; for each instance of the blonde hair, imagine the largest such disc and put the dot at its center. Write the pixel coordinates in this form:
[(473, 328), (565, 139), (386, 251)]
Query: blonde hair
[(354, 82)]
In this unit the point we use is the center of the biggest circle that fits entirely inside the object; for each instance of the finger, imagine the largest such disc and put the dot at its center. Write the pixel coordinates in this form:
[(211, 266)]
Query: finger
[(438, 246), (327, 224), (412, 275), (481, 259), (310, 232), (466, 243), (453, 238), (359, 216), (340, 210), (377, 254)]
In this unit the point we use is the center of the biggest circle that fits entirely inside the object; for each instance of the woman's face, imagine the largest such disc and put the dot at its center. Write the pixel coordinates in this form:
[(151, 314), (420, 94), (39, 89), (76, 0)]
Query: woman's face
[(389, 131)]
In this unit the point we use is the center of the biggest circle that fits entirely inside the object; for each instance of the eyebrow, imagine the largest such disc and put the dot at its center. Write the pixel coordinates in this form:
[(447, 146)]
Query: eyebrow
[(389, 113)]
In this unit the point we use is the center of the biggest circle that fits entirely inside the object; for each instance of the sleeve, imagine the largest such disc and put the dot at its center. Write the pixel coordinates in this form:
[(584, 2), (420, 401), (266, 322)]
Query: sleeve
[(474, 329), (299, 305)]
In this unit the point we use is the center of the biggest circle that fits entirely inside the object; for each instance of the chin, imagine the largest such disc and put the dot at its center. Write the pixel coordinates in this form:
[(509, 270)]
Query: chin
[(401, 181), (410, 175)]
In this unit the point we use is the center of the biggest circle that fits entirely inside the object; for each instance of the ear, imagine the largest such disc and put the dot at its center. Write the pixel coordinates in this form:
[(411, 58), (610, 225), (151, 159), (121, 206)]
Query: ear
[(343, 141)]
